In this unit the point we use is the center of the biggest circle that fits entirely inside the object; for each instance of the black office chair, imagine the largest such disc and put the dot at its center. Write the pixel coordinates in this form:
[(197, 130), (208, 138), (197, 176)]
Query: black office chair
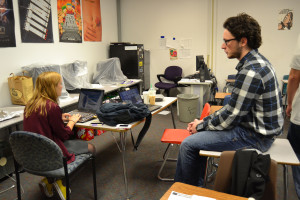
[(173, 75), (38, 155)]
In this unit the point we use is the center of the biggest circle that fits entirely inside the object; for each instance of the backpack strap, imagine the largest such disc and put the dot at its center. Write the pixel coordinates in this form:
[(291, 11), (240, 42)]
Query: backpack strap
[(142, 132)]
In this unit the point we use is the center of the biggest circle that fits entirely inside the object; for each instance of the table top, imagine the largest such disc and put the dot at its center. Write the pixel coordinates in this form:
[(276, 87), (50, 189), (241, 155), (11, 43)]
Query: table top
[(221, 95), (214, 109), (72, 99), (167, 101), (194, 82), (281, 151), (230, 80), (193, 190), (110, 88)]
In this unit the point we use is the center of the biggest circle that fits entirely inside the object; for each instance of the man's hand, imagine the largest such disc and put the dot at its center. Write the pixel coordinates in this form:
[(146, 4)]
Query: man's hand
[(192, 126), (288, 110)]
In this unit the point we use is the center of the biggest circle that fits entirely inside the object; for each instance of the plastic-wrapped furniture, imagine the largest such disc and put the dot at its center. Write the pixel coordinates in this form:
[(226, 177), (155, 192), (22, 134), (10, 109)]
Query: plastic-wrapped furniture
[(109, 72), (38, 155), (35, 70), (75, 76)]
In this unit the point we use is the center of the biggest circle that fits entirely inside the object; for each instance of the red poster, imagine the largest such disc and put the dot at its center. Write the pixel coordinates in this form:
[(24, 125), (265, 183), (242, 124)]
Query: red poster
[(69, 21), (92, 25)]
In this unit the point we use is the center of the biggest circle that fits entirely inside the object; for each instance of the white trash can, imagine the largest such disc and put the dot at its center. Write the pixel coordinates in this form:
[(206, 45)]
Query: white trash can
[(188, 107)]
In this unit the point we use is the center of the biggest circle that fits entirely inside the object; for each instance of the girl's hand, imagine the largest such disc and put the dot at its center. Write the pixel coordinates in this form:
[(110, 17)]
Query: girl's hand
[(75, 118), (65, 116)]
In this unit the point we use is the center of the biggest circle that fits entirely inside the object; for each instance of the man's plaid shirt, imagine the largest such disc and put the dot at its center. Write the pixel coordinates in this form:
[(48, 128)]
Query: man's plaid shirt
[(255, 101)]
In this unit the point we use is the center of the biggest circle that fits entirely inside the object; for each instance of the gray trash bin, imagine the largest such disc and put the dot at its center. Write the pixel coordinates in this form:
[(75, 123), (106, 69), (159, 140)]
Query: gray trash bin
[(188, 107)]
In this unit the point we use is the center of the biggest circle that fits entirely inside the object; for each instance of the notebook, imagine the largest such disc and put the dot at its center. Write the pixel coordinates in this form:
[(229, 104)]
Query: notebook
[(90, 100), (134, 96)]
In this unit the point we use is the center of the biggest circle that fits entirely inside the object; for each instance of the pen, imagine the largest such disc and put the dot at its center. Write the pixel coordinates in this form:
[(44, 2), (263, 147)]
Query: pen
[(96, 122)]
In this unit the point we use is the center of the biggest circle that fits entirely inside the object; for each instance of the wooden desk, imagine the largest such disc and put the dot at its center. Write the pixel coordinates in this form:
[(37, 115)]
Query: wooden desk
[(191, 190), (230, 80), (221, 95), (214, 109), (167, 102)]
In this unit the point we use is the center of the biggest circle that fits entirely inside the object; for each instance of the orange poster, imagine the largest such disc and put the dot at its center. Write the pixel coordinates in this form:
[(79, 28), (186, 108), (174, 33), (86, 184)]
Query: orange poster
[(69, 21), (92, 25)]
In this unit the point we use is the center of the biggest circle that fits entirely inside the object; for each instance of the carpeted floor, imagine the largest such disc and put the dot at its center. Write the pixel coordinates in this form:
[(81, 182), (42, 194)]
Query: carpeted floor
[(142, 168)]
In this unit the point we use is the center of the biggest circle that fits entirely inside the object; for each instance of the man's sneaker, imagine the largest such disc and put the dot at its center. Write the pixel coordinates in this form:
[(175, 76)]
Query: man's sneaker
[(60, 189), (46, 187)]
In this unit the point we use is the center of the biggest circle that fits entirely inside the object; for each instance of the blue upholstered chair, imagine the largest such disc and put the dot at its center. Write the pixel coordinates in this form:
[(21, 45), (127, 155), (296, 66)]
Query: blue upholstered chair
[(226, 99), (172, 75), (38, 155)]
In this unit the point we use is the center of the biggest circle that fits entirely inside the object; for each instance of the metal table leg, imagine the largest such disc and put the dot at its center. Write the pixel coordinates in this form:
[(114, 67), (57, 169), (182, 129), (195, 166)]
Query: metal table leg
[(123, 148), (285, 182), (174, 125)]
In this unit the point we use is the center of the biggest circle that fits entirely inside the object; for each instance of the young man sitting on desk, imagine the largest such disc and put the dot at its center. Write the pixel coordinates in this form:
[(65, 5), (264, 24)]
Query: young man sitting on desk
[(42, 115), (254, 114)]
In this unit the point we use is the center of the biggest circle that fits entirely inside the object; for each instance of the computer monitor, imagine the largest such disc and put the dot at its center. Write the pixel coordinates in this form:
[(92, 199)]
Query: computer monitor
[(199, 62), (200, 65)]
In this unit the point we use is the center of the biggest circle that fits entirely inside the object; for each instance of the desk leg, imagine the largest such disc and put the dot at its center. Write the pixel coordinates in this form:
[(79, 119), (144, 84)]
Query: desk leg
[(201, 95), (171, 108), (285, 182), (123, 149)]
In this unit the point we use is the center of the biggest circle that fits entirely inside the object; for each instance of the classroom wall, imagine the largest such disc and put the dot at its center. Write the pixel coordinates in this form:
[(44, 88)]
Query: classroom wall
[(145, 21), (278, 45), (12, 59)]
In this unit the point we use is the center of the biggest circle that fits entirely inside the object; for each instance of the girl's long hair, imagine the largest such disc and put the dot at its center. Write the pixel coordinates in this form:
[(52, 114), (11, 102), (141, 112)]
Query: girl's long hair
[(45, 89)]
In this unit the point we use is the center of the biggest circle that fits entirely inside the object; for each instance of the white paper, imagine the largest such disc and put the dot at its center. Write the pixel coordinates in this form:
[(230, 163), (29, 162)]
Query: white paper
[(97, 86), (163, 43), (186, 43), (164, 112), (180, 196), (172, 43), (129, 48), (184, 53)]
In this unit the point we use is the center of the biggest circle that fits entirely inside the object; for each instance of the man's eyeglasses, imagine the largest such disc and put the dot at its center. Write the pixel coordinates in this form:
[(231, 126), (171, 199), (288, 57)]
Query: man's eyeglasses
[(226, 41)]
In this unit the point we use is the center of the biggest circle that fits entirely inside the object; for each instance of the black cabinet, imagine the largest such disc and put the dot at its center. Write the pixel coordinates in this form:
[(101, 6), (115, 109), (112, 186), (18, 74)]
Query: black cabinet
[(132, 59)]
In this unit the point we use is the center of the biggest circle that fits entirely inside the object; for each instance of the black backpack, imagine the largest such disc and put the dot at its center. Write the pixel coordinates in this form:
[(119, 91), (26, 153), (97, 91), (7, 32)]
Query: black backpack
[(121, 113)]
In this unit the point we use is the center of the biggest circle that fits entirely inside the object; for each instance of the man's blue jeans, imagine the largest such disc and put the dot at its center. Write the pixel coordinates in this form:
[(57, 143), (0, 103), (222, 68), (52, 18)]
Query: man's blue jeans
[(191, 167), (293, 137)]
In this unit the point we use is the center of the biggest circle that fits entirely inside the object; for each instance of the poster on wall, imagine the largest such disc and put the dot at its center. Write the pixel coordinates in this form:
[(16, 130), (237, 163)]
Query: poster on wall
[(285, 19), (69, 21), (7, 24), (173, 54), (92, 24), (35, 21)]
